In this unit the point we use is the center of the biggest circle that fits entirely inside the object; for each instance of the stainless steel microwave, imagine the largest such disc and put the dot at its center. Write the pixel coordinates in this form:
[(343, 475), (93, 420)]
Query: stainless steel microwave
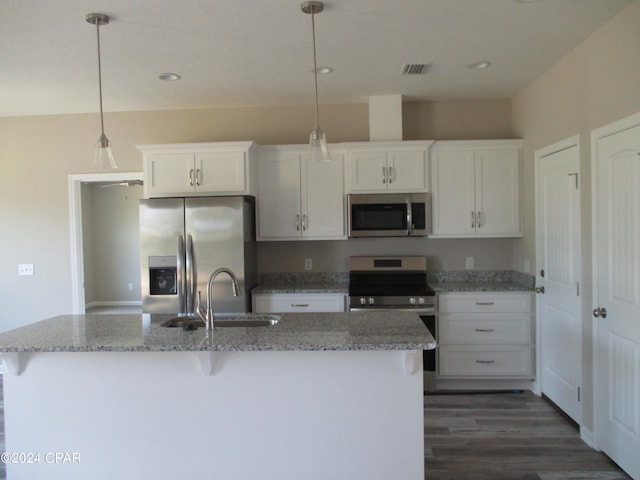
[(389, 215)]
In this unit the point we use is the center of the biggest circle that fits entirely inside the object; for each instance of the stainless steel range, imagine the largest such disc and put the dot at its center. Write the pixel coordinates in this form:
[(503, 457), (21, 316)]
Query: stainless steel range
[(395, 283), (383, 283)]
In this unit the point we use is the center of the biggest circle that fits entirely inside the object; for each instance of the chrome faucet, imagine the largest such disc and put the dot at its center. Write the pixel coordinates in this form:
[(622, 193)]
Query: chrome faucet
[(207, 315)]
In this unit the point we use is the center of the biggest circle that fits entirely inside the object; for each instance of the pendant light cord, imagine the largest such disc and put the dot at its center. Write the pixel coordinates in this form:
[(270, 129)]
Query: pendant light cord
[(100, 79), (315, 68)]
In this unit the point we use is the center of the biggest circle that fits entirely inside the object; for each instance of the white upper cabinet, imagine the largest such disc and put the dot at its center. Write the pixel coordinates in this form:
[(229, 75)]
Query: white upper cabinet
[(475, 188), (297, 199), (193, 169), (375, 167)]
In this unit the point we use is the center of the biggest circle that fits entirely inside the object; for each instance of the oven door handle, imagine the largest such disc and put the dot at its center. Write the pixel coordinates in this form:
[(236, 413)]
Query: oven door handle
[(409, 215), (419, 311)]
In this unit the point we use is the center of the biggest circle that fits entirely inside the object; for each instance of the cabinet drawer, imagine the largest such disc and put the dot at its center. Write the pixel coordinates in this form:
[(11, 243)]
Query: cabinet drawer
[(283, 303), (485, 361), (484, 329), (484, 303)]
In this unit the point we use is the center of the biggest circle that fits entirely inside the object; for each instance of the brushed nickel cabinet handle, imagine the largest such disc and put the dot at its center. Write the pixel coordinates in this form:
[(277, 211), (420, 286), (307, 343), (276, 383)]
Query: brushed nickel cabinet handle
[(485, 303), (298, 222), (191, 177), (484, 330), (486, 362), (299, 304), (384, 174)]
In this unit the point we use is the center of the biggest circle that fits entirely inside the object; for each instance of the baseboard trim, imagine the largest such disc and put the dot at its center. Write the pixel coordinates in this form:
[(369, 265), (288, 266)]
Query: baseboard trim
[(588, 437), (128, 303)]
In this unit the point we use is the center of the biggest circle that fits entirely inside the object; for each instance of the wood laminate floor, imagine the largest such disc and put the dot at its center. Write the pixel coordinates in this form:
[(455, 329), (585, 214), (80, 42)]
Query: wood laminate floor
[(497, 436), (506, 436)]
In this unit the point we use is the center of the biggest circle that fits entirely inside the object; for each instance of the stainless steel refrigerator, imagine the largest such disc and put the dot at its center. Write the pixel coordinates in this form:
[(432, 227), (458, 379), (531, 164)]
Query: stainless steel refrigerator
[(184, 240)]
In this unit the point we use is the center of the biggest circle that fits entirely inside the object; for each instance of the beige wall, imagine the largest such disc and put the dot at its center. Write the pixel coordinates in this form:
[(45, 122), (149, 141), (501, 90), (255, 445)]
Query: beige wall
[(111, 242), (38, 153), (596, 84)]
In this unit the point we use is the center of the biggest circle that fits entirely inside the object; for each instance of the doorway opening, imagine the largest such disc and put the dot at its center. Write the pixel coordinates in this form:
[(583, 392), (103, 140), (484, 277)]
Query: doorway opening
[(105, 265)]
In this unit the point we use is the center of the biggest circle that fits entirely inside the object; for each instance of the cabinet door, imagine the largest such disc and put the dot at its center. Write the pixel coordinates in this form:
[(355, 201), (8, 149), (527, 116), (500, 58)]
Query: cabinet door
[(169, 174), (279, 196), (323, 198), (453, 189), (406, 171), (220, 172), (367, 171), (498, 192)]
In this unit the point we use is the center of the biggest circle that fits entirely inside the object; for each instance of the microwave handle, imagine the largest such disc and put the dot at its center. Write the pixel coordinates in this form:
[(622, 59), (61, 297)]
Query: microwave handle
[(409, 215)]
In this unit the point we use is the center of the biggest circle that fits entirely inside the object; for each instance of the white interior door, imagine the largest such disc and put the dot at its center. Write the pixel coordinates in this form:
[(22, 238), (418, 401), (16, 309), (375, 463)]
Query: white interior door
[(616, 237), (558, 274)]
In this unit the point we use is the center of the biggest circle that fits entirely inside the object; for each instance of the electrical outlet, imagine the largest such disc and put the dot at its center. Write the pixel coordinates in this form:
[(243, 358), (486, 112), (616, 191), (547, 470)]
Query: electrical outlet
[(469, 263), (25, 269), (130, 286), (308, 264)]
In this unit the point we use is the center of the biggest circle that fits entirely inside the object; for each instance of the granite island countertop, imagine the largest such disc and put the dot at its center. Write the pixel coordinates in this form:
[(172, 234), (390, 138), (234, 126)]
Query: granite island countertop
[(293, 332)]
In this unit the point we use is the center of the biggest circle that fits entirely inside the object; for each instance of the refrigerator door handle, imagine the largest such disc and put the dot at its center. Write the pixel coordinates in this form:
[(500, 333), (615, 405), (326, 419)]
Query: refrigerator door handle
[(180, 274), (190, 294)]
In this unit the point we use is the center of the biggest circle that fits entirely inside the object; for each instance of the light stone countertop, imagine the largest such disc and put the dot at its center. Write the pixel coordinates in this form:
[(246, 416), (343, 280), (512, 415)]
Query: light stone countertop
[(479, 286), (294, 331), (339, 288)]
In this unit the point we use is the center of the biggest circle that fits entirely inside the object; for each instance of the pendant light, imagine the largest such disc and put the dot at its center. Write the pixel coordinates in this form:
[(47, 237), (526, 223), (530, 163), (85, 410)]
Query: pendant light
[(317, 139), (103, 156)]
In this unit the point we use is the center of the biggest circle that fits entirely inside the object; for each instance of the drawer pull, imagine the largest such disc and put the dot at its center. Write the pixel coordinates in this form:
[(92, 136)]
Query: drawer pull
[(486, 361), (299, 304), (484, 329), (485, 303)]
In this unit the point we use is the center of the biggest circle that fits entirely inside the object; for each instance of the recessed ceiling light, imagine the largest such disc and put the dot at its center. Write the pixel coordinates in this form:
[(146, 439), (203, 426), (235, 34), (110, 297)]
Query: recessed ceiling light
[(323, 70), (169, 77), (479, 65)]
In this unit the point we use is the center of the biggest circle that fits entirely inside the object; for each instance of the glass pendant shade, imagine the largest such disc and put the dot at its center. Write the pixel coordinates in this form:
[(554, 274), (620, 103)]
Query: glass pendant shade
[(318, 146), (103, 156)]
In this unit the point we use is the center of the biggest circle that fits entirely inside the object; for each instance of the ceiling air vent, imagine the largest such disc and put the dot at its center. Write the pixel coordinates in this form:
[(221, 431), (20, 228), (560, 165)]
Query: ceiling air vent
[(414, 68)]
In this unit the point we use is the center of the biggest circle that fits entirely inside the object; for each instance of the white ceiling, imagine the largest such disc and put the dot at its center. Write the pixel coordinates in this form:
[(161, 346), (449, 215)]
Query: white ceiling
[(251, 52)]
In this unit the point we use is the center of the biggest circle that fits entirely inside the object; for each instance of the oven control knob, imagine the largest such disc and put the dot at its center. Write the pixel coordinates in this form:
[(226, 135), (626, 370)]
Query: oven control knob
[(421, 300), (371, 300), (363, 301), (412, 300)]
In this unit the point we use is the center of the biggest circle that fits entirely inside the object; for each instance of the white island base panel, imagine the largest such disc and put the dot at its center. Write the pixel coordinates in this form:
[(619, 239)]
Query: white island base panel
[(265, 414)]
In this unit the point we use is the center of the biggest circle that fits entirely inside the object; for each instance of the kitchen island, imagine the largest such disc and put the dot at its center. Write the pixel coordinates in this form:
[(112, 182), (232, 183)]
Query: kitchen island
[(119, 396)]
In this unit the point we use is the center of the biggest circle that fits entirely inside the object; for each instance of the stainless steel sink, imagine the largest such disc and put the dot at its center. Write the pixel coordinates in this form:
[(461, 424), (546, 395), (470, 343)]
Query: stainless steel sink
[(224, 320)]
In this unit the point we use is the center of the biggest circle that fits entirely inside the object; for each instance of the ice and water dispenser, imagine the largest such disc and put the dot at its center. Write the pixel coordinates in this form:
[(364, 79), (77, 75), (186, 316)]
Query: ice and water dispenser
[(163, 275)]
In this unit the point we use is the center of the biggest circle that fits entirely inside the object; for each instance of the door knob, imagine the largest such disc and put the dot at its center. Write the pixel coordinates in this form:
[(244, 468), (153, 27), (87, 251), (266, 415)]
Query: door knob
[(600, 312), (540, 289)]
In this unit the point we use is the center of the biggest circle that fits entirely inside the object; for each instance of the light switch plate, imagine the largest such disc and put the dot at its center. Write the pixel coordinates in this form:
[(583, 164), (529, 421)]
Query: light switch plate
[(308, 264), (25, 269)]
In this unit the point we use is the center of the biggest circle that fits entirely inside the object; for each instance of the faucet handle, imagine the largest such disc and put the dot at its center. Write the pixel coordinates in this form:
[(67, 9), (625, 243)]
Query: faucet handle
[(200, 310)]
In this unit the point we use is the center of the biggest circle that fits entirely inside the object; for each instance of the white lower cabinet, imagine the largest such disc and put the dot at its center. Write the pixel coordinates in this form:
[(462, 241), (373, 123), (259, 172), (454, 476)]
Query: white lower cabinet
[(298, 302), (485, 335)]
